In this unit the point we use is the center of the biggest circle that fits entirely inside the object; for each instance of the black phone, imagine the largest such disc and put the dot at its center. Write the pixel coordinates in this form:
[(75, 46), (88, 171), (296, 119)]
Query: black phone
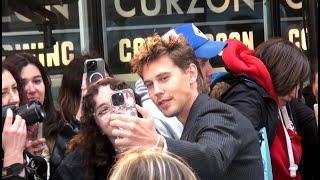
[(95, 69)]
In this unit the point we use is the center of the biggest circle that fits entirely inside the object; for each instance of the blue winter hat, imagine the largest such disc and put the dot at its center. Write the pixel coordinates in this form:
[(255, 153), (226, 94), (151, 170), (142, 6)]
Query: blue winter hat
[(201, 45)]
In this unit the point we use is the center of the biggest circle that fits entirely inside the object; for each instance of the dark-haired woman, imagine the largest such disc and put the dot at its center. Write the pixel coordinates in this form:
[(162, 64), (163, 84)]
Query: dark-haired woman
[(91, 152), (15, 133), (37, 86), (71, 91)]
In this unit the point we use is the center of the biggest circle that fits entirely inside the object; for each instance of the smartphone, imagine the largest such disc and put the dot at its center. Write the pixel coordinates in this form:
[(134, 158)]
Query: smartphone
[(123, 102), (95, 69)]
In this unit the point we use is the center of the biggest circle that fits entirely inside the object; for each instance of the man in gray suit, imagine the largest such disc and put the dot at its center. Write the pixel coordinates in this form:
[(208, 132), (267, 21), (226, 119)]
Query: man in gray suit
[(217, 141), (204, 50)]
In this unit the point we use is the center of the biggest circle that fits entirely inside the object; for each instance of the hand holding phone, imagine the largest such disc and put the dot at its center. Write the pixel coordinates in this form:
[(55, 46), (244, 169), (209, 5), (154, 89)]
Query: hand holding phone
[(123, 102), (95, 69)]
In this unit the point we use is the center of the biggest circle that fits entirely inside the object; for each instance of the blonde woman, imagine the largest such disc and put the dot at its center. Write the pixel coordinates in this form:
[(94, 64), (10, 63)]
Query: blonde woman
[(150, 164)]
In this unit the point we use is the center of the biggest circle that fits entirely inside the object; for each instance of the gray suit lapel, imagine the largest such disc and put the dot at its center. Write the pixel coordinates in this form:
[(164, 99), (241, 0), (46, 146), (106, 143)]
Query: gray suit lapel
[(193, 115)]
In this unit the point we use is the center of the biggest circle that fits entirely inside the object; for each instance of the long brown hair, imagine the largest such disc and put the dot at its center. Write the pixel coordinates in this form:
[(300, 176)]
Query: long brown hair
[(97, 148), (70, 89), (286, 63)]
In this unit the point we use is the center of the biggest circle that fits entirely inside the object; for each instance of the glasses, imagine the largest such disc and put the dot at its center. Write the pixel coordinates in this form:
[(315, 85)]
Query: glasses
[(101, 111)]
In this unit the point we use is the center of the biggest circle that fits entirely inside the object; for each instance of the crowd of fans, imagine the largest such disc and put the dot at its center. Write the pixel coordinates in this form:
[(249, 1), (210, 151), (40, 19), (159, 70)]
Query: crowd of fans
[(249, 122)]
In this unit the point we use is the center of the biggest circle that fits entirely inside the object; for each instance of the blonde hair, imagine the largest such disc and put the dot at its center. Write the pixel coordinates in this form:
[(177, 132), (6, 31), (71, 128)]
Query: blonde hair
[(149, 164)]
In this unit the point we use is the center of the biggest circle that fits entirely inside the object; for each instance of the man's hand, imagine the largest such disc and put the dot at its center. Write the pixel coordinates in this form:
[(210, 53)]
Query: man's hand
[(14, 137), (134, 131)]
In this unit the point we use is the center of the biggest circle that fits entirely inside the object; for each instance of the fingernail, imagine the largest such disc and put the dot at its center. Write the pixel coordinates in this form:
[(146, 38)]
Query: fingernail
[(9, 112)]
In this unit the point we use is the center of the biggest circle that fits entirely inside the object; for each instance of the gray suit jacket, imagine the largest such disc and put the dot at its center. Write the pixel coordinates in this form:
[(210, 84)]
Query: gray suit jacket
[(218, 142)]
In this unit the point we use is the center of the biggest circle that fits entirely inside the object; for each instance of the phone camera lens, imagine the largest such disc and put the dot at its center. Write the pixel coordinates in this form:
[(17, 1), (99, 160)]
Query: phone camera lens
[(117, 99)]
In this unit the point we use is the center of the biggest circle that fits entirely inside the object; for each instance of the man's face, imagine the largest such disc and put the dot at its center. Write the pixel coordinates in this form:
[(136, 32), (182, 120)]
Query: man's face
[(206, 69), (170, 88)]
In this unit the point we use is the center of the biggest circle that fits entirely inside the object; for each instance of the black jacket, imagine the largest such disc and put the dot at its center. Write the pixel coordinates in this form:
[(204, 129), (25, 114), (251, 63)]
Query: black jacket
[(253, 102), (305, 123), (72, 167), (63, 138)]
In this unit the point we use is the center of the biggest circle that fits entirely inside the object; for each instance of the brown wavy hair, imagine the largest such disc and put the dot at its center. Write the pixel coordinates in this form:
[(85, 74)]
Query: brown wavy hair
[(97, 148), (176, 47)]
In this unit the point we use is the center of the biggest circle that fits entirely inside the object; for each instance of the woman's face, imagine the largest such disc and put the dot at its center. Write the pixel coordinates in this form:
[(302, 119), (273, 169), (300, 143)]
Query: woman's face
[(33, 83), (10, 94), (103, 110), (292, 95)]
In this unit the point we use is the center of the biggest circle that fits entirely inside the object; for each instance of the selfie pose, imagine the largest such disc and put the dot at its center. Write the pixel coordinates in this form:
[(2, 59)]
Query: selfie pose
[(71, 92), (217, 141), (91, 153)]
